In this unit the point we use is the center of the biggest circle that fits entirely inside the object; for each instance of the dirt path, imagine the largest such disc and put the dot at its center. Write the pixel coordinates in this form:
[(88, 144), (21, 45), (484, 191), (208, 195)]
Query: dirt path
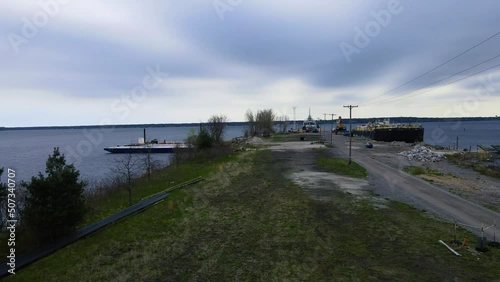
[(301, 158), (298, 163), (461, 181), (387, 179)]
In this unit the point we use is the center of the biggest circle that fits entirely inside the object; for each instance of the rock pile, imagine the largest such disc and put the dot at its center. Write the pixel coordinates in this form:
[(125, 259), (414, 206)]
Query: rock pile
[(423, 154), (238, 142), (255, 140)]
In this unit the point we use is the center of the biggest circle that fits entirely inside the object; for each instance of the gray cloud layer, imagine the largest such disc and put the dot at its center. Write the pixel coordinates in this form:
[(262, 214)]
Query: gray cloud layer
[(95, 50)]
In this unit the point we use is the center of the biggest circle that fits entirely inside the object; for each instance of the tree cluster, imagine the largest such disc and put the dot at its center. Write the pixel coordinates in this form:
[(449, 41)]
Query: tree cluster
[(209, 134), (260, 123), (282, 122)]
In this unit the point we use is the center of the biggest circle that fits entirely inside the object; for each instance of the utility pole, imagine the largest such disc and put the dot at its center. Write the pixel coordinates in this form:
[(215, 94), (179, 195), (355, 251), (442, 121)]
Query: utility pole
[(294, 127), (324, 115), (350, 129), (331, 131)]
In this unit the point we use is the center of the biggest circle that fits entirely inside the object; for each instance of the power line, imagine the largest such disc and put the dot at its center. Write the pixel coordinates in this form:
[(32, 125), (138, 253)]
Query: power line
[(440, 65), (388, 100), (401, 98)]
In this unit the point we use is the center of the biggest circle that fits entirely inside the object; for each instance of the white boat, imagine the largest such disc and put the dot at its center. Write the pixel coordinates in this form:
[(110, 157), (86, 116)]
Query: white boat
[(310, 124)]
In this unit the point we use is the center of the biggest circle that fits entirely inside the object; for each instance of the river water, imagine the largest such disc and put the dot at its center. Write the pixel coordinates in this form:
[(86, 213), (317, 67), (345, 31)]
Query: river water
[(26, 151)]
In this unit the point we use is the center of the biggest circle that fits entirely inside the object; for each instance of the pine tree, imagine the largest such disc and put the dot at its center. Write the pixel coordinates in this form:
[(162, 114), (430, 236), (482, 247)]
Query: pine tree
[(55, 203)]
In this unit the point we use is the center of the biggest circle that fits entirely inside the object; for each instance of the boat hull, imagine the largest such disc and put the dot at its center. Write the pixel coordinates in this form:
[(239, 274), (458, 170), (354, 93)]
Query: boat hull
[(142, 149)]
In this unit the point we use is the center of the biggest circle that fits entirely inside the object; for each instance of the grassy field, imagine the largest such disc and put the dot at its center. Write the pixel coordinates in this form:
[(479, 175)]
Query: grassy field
[(248, 222), (476, 161)]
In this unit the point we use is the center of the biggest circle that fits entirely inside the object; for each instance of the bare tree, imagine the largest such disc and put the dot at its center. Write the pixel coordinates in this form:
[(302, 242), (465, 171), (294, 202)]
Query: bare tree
[(250, 118), (265, 122), (216, 127), (260, 123), (150, 164), (191, 142), (282, 123), (127, 167), (177, 155)]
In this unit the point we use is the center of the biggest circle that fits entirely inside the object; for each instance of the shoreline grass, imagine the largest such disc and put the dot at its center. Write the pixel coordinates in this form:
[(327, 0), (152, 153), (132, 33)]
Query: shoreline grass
[(114, 201)]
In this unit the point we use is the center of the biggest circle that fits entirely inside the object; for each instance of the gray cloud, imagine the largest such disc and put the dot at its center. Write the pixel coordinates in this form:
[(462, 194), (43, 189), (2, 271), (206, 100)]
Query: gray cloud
[(257, 45)]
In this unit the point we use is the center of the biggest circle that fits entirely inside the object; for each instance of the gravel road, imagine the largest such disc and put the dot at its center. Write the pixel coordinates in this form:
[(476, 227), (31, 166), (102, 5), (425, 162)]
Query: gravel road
[(386, 179), (389, 181)]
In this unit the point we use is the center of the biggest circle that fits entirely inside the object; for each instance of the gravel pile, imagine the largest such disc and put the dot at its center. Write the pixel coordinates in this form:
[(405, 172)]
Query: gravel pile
[(255, 140), (423, 154)]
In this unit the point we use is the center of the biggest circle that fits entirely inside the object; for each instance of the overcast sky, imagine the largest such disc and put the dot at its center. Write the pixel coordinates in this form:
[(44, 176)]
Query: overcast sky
[(76, 62)]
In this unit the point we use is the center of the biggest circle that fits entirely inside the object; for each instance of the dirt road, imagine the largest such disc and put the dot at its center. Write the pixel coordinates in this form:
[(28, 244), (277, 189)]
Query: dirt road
[(395, 184)]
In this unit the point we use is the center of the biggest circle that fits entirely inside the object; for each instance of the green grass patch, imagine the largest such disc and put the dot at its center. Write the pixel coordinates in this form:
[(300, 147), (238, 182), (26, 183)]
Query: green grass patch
[(161, 180), (420, 170), (288, 137), (476, 161), (342, 167)]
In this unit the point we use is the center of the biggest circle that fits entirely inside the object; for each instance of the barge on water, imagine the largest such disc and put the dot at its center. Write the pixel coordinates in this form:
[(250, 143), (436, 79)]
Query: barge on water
[(145, 147), (385, 131)]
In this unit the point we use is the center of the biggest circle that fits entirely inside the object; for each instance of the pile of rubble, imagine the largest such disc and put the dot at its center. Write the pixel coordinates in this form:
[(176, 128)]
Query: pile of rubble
[(238, 143), (255, 140), (423, 154)]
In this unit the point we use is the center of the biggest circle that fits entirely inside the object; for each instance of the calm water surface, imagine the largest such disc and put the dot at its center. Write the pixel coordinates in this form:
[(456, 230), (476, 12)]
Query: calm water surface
[(26, 151)]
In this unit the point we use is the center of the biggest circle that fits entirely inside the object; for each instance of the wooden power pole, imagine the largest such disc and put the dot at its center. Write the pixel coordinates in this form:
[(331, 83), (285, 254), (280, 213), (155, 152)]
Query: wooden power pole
[(350, 129), (331, 131), (294, 127)]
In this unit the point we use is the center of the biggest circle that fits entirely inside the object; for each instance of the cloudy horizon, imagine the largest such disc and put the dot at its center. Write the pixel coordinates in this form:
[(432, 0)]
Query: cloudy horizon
[(128, 62)]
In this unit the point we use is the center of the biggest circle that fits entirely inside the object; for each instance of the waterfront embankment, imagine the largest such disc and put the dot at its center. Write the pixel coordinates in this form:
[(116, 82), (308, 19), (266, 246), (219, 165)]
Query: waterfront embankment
[(274, 212)]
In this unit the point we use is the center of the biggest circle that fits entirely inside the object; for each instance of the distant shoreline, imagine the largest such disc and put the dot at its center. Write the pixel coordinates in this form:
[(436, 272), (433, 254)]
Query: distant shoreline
[(242, 123)]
